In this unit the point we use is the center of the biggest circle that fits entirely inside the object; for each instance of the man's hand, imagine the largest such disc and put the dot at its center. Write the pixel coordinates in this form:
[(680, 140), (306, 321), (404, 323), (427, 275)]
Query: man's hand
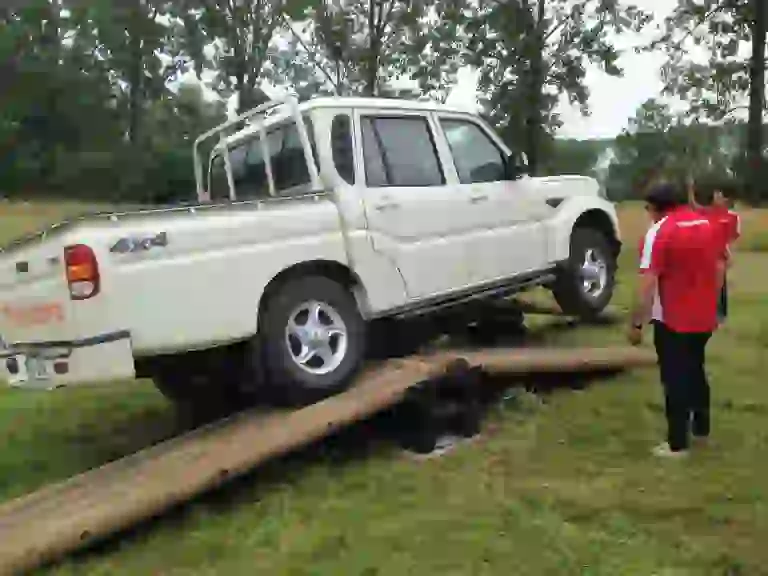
[(635, 335)]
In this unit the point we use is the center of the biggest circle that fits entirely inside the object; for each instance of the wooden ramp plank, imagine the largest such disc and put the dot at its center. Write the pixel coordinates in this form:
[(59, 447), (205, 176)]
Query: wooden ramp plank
[(58, 519), (541, 360)]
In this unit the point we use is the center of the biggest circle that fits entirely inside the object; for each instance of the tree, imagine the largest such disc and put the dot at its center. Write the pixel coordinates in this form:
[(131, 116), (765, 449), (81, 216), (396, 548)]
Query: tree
[(568, 156), (660, 143), (129, 38), (50, 87), (83, 86), (530, 52), (717, 85), (240, 34), (362, 46), (177, 119)]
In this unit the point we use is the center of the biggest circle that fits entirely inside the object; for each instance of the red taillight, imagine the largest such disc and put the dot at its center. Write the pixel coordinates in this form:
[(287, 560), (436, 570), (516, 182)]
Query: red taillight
[(82, 272)]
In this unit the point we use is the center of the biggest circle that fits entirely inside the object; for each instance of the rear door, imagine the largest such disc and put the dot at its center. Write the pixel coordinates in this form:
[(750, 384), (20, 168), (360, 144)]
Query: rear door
[(413, 216), (514, 239)]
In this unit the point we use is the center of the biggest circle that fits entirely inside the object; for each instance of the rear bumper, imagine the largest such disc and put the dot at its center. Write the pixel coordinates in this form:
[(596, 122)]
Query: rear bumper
[(100, 358)]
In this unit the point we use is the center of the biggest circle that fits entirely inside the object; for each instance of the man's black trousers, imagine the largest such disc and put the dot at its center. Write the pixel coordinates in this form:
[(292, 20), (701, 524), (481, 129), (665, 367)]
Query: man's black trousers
[(686, 389), (722, 303)]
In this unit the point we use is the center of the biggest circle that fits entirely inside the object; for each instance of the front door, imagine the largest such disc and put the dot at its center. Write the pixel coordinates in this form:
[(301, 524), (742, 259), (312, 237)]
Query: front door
[(514, 241)]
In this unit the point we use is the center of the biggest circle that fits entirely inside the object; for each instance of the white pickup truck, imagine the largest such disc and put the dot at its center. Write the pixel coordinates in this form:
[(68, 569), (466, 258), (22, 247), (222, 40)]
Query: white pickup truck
[(311, 220)]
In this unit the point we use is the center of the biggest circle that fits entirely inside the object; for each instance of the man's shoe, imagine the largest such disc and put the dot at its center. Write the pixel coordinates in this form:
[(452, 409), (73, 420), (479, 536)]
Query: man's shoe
[(664, 451)]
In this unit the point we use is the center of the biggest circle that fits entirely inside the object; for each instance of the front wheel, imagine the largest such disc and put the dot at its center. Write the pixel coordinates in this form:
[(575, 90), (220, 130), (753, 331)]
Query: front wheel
[(312, 339), (585, 284)]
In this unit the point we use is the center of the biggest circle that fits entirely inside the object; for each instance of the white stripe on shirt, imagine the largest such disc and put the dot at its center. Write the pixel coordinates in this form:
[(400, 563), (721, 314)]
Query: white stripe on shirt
[(650, 238)]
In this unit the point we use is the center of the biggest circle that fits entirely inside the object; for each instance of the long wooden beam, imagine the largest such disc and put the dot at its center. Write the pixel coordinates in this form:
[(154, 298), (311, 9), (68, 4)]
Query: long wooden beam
[(56, 520)]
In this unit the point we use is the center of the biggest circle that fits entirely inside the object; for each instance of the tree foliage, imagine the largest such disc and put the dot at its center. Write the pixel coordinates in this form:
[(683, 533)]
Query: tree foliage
[(361, 47), (531, 52), (659, 143), (710, 65), (239, 34), (93, 101), (83, 81)]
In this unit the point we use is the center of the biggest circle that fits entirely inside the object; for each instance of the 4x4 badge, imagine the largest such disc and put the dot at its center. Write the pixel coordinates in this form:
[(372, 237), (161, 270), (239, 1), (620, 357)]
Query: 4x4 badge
[(133, 244)]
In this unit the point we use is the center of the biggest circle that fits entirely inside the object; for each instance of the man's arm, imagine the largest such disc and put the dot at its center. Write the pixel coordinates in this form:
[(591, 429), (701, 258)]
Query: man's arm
[(643, 305), (651, 266), (722, 265)]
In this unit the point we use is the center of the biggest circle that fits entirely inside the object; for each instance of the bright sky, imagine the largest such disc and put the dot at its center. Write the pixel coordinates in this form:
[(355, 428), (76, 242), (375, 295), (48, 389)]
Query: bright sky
[(613, 100)]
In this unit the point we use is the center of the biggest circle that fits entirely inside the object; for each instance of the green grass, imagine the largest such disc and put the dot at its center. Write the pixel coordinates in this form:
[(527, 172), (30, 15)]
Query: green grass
[(563, 485), (757, 242)]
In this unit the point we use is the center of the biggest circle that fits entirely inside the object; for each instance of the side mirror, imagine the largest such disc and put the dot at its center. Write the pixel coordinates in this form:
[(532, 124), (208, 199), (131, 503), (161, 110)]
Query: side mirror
[(516, 165)]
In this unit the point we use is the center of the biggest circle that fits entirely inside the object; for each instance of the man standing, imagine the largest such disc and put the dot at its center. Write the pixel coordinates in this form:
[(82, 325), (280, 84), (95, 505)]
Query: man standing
[(681, 271), (711, 200)]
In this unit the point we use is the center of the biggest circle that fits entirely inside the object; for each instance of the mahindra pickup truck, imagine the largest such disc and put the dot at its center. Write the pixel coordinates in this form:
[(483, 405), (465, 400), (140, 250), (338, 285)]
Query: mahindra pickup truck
[(311, 220)]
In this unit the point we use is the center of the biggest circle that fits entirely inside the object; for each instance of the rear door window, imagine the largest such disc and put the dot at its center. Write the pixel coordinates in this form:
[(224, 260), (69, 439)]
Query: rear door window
[(400, 151)]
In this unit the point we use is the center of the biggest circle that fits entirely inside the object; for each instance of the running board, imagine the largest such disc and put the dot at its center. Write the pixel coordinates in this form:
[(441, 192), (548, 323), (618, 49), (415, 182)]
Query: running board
[(490, 293)]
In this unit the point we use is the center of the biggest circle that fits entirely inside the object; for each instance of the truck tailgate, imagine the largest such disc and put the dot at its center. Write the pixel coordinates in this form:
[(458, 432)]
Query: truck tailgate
[(34, 297), (48, 339)]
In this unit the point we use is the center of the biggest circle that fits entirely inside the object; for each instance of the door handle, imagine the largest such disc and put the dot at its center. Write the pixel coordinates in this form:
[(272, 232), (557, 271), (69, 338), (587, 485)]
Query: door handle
[(387, 206), (479, 198)]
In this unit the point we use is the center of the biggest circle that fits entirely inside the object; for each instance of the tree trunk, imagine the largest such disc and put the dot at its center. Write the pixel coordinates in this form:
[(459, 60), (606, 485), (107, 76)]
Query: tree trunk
[(534, 89), (370, 87), (754, 144), (135, 74), (52, 40)]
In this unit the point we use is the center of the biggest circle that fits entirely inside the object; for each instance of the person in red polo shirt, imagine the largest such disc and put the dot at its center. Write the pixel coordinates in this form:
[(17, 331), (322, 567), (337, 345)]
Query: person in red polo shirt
[(710, 199), (681, 270)]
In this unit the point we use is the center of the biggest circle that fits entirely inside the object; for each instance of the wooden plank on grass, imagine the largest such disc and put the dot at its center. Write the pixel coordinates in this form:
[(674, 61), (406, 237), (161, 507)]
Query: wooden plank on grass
[(45, 525)]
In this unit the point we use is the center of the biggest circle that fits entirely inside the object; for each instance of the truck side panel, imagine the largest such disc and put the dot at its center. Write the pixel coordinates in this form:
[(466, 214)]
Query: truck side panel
[(203, 287)]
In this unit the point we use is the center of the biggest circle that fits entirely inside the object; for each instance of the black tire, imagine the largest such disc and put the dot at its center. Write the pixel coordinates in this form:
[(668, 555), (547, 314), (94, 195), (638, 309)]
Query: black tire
[(288, 381), (203, 385), (569, 290)]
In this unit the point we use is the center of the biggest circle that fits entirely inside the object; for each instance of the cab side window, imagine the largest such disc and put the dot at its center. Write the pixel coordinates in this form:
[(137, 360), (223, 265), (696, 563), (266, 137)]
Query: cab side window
[(475, 155), (286, 159), (400, 151), (341, 147)]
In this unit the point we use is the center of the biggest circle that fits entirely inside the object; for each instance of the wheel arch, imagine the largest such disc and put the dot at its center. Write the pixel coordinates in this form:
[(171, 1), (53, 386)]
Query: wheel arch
[(581, 212), (327, 268), (597, 219)]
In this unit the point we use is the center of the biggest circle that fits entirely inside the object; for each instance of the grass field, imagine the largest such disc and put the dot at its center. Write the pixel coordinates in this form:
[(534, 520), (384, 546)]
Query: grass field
[(563, 485)]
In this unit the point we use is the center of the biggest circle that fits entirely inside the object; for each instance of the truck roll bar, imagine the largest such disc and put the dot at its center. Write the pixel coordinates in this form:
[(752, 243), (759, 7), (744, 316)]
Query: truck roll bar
[(261, 110)]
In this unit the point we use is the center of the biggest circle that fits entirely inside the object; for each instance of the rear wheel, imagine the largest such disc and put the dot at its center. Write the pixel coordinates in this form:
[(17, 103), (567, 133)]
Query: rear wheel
[(312, 339), (585, 284)]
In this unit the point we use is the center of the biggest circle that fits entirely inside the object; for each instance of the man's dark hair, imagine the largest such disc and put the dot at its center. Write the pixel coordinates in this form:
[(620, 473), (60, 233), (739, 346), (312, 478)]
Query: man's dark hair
[(665, 196)]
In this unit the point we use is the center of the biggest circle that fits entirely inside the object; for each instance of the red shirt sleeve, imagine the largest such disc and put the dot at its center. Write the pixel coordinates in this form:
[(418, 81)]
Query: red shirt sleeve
[(652, 252)]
